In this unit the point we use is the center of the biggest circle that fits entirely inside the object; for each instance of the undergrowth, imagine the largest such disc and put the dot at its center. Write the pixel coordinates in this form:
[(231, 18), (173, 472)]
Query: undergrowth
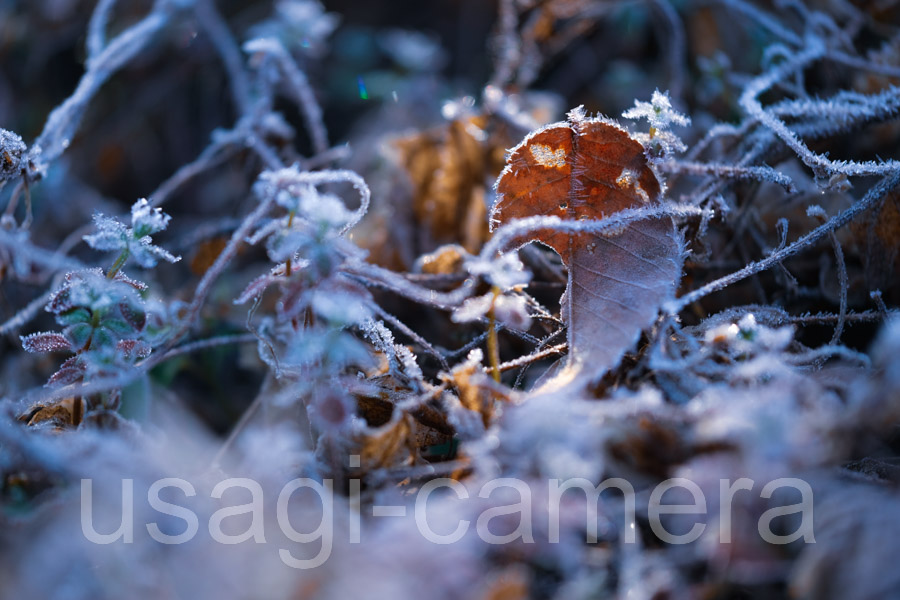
[(356, 282)]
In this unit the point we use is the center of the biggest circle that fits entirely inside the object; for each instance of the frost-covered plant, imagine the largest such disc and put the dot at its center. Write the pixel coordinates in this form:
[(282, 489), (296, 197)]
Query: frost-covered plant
[(506, 275), (659, 140), (700, 384), (131, 242), (307, 340), (105, 318)]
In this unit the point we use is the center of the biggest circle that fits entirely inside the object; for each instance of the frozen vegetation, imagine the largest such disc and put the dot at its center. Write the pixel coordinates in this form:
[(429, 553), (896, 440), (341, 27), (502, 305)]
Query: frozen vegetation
[(487, 300)]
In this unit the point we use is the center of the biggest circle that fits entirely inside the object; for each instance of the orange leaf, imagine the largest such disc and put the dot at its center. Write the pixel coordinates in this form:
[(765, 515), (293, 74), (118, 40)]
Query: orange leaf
[(590, 169)]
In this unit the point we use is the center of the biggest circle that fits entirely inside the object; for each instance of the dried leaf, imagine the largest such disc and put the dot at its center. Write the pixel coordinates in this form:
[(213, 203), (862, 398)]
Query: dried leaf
[(590, 169), (448, 167), (477, 391), (67, 412)]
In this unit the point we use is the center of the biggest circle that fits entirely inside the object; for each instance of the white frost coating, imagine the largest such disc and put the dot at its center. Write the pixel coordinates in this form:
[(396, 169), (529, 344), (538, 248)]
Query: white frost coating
[(291, 188), (548, 157)]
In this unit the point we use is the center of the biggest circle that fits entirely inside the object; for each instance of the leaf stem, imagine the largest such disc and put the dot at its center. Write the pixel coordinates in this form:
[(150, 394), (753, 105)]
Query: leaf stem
[(116, 266)]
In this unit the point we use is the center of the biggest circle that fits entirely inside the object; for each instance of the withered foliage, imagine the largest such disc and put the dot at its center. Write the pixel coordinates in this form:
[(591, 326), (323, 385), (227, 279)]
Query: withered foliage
[(431, 272)]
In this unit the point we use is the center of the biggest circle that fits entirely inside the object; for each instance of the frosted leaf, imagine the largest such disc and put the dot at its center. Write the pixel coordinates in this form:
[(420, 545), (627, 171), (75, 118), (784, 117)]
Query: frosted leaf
[(70, 371), (324, 209), (49, 341), (472, 309), (617, 279), (339, 307), (309, 18), (512, 311), (325, 347), (262, 45), (146, 220), (331, 410), (505, 271), (147, 255), (665, 142), (285, 243), (302, 25), (131, 350), (111, 235)]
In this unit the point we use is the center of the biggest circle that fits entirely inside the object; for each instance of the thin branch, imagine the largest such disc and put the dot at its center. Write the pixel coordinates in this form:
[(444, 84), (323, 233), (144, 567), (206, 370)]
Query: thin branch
[(876, 193)]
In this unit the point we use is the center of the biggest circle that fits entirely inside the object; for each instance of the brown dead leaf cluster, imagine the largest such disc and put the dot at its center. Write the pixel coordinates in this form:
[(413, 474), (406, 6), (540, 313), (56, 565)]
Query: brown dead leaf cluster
[(451, 167)]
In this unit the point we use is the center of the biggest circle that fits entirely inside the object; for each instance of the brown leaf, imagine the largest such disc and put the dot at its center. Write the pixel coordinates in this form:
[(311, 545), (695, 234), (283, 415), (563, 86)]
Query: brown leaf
[(63, 414), (448, 167), (590, 169), (477, 391)]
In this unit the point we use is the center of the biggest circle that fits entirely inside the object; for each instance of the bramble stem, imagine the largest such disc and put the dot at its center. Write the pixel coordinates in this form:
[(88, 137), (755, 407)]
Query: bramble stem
[(492, 347), (287, 264)]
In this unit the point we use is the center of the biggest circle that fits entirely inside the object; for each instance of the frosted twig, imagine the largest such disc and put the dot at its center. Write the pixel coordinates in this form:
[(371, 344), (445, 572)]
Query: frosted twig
[(214, 154), (26, 314), (818, 163), (300, 88), (223, 41), (507, 44), (766, 20), (875, 295), (397, 283), (851, 317), (522, 227), (64, 120), (205, 285), (814, 356), (728, 171), (471, 345), (874, 194), (96, 34), (222, 340), (675, 54), (37, 255), (530, 358), (863, 65), (844, 283), (408, 332)]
